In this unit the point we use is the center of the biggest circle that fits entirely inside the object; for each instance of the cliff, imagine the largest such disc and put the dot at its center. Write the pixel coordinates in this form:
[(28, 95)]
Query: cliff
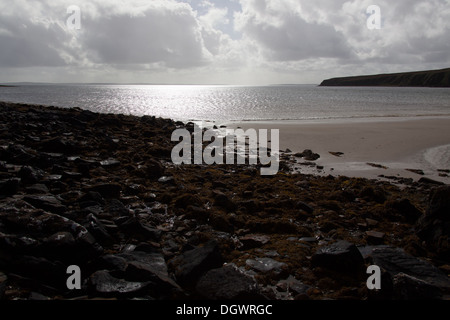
[(432, 78)]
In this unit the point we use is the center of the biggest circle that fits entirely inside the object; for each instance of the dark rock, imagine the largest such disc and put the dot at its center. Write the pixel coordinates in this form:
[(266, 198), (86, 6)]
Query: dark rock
[(192, 264), (165, 179), (294, 286), (416, 171), (250, 205), (375, 237), (71, 175), (406, 287), (150, 267), (36, 296), (116, 208), (222, 200), (336, 154), (30, 175), (228, 283), (18, 154), (58, 145), (430, 181), (17, 243), (103, 283), (9, 187), (110, 163), (91, 198), (107, 190), (396, 260), (148, 248), (305, 207), (308, 155), (63, 239), (46, 202), (370, 193), (49, 229), (153, 169), (221, 222), (183, 201), (37, 189), (341, 256), (434, 226), (265, 265), (308, 239), (251, 241), (111, 262), (98, 230), (40, 269), (405, 208), (137, 230), (198, 213), (3, 284)]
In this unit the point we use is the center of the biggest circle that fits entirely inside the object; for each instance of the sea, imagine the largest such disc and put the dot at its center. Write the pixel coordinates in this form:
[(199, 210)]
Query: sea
[(225, 103)]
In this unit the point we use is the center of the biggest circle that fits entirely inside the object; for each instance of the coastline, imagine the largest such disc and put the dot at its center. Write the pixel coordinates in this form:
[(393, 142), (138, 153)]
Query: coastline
[(394, 143), (99, 191)]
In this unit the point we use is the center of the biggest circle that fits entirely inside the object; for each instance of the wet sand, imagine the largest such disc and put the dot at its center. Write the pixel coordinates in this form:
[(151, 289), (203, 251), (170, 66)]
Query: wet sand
[(397, 144)]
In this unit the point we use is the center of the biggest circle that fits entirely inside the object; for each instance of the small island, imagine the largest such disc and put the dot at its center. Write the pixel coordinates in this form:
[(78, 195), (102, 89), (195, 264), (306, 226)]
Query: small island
[(432, 78)]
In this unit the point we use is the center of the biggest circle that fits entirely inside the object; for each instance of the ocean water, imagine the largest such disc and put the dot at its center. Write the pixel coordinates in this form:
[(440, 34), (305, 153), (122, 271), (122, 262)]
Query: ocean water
[(239, 103)]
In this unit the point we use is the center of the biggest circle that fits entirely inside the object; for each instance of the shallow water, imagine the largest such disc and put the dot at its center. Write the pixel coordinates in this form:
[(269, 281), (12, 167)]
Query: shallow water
[(239, 103)]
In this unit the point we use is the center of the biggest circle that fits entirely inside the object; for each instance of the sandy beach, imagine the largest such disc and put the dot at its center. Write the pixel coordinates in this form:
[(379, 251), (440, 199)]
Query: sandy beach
[(394, 143)]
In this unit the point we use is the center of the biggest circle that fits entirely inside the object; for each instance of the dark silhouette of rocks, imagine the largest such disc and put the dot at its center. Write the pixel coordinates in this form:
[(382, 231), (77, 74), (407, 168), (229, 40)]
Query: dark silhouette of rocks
[(100, 191), (432, 78)]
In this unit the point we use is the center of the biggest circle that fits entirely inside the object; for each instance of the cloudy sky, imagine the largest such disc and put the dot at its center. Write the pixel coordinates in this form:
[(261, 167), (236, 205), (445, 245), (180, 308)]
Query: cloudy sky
[(218, 42)]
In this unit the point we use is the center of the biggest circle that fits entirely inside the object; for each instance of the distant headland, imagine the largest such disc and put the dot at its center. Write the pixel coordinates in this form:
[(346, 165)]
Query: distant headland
[(431, 78)]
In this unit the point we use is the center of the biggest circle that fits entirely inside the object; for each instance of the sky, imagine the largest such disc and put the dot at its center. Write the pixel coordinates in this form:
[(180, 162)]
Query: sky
[(237, 42)]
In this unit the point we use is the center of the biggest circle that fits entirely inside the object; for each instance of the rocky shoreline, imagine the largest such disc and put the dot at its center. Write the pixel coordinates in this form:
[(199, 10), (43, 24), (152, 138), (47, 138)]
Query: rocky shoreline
[(100, 191)]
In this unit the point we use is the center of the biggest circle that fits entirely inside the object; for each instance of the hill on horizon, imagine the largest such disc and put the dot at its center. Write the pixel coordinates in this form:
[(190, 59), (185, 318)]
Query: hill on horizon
[(430, 78)]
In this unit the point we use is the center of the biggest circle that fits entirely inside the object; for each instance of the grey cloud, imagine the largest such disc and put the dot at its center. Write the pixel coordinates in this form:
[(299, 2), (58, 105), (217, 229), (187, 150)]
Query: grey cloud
[(28, 44), (296, 39), (155, 36)]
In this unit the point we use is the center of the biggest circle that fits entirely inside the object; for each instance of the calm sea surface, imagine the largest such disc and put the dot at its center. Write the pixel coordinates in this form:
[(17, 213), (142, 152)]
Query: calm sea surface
[(237, 103)]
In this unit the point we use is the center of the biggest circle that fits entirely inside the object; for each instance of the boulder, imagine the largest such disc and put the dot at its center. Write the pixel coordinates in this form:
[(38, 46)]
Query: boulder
[(104, 284), (308, 155), (304, 206), (18, 154), (222, 200), (395, 261), (405, 208), (434, 226), (406, 287), (228, 283), (192, 264), (341, 256), (59, 145), (133, 228), (46, 202), (49, 235), (30, 175), (9, 187), (251, 241), (107, 190), (150, 267), (294, 286), (265, 265)]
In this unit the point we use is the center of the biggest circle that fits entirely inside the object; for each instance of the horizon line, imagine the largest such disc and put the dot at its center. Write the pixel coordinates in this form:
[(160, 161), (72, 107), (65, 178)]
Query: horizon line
[(150, 84)]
